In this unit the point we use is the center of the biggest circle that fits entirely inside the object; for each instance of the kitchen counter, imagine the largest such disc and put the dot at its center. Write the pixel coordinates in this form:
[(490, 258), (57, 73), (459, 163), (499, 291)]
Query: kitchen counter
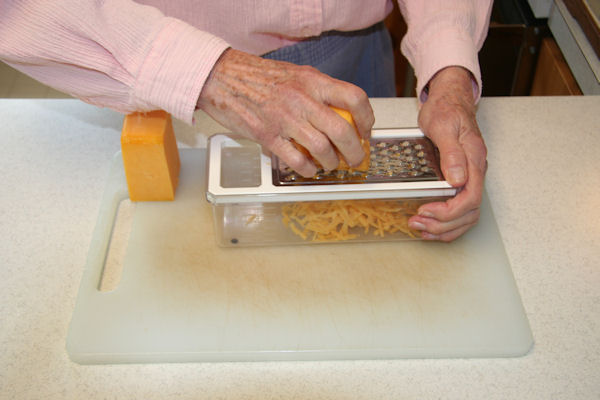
[(543, 184)]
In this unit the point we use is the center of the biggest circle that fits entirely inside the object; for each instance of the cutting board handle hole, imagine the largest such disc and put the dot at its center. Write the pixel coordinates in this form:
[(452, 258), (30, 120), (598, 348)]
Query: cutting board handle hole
[(113, 263)]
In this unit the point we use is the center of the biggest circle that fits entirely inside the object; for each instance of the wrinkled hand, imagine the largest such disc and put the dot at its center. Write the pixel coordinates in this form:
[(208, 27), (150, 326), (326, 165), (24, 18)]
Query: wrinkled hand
[(448, 119), (273, 101)]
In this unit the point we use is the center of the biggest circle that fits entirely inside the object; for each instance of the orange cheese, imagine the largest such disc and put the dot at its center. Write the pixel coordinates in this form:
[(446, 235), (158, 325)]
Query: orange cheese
[(150, 156), (343, 165)]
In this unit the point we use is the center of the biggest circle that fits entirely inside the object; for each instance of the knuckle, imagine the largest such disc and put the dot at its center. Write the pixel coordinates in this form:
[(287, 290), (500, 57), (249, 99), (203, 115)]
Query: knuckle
[(295, 160), (371, 118), (483, 149), (356, 96), (447, 238), (339, 131), (452, 157), (474, 216), (435, 229), (308, 69), (309, 75), (319, 146), (299, 163), (471, 206), (265, 136)]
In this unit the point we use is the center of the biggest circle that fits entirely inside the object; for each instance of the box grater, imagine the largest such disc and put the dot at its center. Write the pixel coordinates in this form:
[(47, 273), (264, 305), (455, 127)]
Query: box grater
[(258, 200)]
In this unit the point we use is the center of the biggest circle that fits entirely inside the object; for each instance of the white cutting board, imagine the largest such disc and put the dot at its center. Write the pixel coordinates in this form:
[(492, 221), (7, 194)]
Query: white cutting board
[(182, 298)]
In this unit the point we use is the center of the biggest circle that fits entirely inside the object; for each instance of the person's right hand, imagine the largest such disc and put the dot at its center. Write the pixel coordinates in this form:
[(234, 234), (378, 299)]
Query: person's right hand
[(273, 102)]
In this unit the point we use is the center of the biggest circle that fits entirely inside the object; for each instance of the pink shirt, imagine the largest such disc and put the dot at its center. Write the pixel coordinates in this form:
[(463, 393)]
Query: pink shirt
[(152, 54)]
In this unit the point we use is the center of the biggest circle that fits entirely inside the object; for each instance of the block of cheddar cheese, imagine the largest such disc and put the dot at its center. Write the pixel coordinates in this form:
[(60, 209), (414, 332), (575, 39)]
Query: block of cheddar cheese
[(150, 156), (343, 165)]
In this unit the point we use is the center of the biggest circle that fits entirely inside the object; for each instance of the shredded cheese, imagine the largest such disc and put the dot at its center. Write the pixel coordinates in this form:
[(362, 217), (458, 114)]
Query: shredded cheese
[(342, 219)]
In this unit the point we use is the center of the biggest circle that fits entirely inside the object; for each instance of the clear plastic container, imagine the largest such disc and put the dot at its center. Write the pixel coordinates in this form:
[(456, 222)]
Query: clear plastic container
[(314, 222)]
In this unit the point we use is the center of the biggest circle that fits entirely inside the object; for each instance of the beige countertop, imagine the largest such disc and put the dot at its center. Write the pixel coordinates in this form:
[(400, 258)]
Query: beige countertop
[(543, 183)]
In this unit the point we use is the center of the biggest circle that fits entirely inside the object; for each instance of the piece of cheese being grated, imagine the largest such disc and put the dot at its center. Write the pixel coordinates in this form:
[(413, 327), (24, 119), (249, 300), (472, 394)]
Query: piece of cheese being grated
[(343, 165)]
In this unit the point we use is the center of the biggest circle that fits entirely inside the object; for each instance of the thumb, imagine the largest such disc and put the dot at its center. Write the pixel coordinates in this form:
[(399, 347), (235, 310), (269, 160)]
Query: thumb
[(453, 160)]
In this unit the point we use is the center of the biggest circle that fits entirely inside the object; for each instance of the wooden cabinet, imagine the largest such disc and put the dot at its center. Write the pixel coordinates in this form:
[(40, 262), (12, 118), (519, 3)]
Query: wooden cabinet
[(553, 76)]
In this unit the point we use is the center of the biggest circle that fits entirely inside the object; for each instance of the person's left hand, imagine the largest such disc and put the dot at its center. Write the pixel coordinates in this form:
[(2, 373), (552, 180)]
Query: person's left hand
[(448, 118)]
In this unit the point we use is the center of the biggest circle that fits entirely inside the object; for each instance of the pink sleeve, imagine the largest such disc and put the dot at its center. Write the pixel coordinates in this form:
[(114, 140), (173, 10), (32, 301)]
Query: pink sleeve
[(113, 53), (443, 33)]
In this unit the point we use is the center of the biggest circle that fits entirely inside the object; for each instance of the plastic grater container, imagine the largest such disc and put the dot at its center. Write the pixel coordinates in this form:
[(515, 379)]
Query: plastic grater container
[(258, 200)]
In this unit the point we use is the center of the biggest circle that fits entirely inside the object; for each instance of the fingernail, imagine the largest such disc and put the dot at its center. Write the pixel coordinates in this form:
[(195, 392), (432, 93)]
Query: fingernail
[(416, 225), (456, 175), (425, 214), (429, 236)]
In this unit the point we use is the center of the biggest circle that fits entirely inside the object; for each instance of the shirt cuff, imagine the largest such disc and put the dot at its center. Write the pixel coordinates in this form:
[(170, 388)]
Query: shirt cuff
[(443, 50), (176, 68)]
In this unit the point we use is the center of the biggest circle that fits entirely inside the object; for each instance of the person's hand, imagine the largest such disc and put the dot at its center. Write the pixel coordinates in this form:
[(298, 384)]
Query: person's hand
[(273, 102), (448, 118)]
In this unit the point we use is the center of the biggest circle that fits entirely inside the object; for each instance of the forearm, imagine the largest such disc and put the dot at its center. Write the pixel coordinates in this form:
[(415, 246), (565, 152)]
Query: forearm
[(115, 53), (444, 33)]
